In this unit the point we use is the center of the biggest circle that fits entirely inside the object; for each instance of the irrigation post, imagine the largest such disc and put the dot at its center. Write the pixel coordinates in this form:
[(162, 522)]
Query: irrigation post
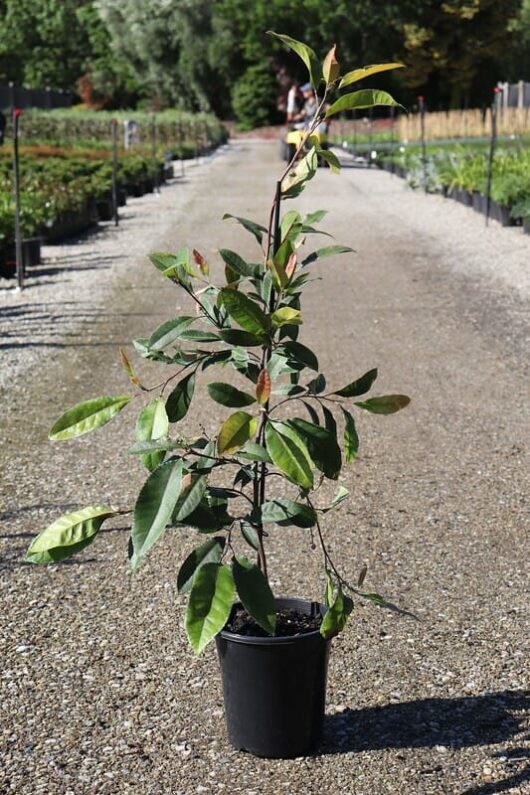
[(153, 153), (180, 134), (16, 195), (421, 101), (114, 130), (392, 139), (493, 139)]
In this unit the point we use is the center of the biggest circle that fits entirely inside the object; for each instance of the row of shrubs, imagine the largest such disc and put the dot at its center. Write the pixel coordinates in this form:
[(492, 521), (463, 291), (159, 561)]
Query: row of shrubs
[(461, 173)]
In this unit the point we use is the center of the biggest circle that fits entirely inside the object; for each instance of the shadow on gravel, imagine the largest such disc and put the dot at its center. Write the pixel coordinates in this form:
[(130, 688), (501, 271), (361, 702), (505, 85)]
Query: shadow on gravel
[(450, 722)]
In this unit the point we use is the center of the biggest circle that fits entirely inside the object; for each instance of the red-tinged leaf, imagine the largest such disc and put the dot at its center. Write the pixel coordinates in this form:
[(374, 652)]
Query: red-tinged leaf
[(330, 67), (263, 387), (291, 265), (201, 262), (129, 368)]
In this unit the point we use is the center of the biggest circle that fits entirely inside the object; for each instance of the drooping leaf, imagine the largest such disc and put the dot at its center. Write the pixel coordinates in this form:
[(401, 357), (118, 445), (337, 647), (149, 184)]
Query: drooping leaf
[(236, 431), (246, 312), (255, 593), (301, 354), (358, 100), (87, 416), (254, 452), (285, 316), (209, 552), (317, 385), (192, 492), (251, 226), (201, 262), (336, 616), (304, 52), (312, 413), (360, 386), (237, 263), (295, 182), (179, 400), (331, 159), (384, 404), (328, 596), (198, 335), (250, 534), (367, 71), (330, 67), (158, 445), (235, 336), (208, 458), (228, 395), (351, 438), (287, 512), (169, 332), (129, 368), (322, 445), (152, 423), (329, 421), (263, 387), (339, 497), (328, 251), (209, 604), (289, 224), (68, 535), (290, 456), (154, 507)]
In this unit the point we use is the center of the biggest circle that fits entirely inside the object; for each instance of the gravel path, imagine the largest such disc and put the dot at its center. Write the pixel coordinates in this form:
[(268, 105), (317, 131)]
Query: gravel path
[(100, 693)]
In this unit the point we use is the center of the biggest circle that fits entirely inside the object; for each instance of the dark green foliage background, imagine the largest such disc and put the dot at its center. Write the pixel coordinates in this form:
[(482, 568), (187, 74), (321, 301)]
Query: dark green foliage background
[(196, 54)]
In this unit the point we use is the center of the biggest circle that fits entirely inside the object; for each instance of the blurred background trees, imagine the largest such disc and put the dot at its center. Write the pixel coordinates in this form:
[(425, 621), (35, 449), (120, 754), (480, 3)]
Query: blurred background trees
[(208, 55)]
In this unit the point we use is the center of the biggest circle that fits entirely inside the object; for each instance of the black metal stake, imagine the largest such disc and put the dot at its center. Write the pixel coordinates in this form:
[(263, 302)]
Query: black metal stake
[(392, 140), (493, 140), (16, 196), (153, 153), (181, 147), (421, 100), (114, 130)]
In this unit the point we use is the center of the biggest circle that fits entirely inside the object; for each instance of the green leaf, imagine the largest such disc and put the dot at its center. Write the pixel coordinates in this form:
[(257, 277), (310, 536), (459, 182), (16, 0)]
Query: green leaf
[(290, 456), (337, 615), (209, 604), (330, 66), (198, 335), (228, 395), (286, 512), (87, 416), (351, 439), (358, 387), (322, 445), (254, 452), (331, 159), (307, 55), (236, 431), (209, 552), (238, 264), (295, 182), (339, 497), (367, 71), (179, 400), (328, 596), (235, 336), (314, 217), (365, 98), (317, 385), (255, 593), (169, 332), (152, 423), (154, 507), (312, 413), (207, 458), (384, 404), (246, 312), (328, 251), (250, 534), (301, 354), (192, 492), (69, 534), (142, 448), (286, 316), (255, 229)]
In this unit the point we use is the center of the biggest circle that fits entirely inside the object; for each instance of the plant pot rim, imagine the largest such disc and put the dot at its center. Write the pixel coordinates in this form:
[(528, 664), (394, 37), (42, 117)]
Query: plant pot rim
[(250, 640)]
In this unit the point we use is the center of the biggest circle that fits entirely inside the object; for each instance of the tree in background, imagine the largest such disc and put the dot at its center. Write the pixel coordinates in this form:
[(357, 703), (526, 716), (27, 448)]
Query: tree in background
[(254, 97)]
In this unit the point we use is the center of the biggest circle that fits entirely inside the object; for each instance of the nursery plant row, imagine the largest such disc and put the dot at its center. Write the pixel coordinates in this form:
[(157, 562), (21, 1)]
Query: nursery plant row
[(461, 173)]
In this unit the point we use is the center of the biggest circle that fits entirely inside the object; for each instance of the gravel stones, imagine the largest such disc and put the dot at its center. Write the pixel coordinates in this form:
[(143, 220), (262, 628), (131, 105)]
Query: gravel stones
[(100, 693)]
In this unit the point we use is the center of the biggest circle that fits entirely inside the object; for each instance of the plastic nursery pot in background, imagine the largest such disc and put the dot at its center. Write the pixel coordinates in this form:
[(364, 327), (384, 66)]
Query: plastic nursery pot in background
[(275, 688)]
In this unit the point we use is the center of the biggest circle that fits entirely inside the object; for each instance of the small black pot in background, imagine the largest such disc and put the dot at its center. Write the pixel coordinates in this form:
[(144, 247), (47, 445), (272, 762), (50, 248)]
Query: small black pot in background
[(275, 688), (501, 213), (479, 202)]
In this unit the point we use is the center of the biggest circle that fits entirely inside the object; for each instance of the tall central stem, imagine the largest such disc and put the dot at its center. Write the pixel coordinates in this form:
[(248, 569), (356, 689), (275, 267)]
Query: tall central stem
[(260, 470)]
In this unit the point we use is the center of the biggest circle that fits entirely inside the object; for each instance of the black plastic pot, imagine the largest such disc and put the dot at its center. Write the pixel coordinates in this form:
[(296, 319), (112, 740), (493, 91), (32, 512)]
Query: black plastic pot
[(8, 263), (275, 688), (479, 202), (501, 213), (105, 210)]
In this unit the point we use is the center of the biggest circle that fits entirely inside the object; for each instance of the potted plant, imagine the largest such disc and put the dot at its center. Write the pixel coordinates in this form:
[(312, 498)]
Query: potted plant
[(273, 652)]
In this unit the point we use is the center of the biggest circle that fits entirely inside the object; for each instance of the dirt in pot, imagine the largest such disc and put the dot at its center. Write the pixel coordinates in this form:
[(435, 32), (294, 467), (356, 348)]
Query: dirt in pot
[(288, 623)]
